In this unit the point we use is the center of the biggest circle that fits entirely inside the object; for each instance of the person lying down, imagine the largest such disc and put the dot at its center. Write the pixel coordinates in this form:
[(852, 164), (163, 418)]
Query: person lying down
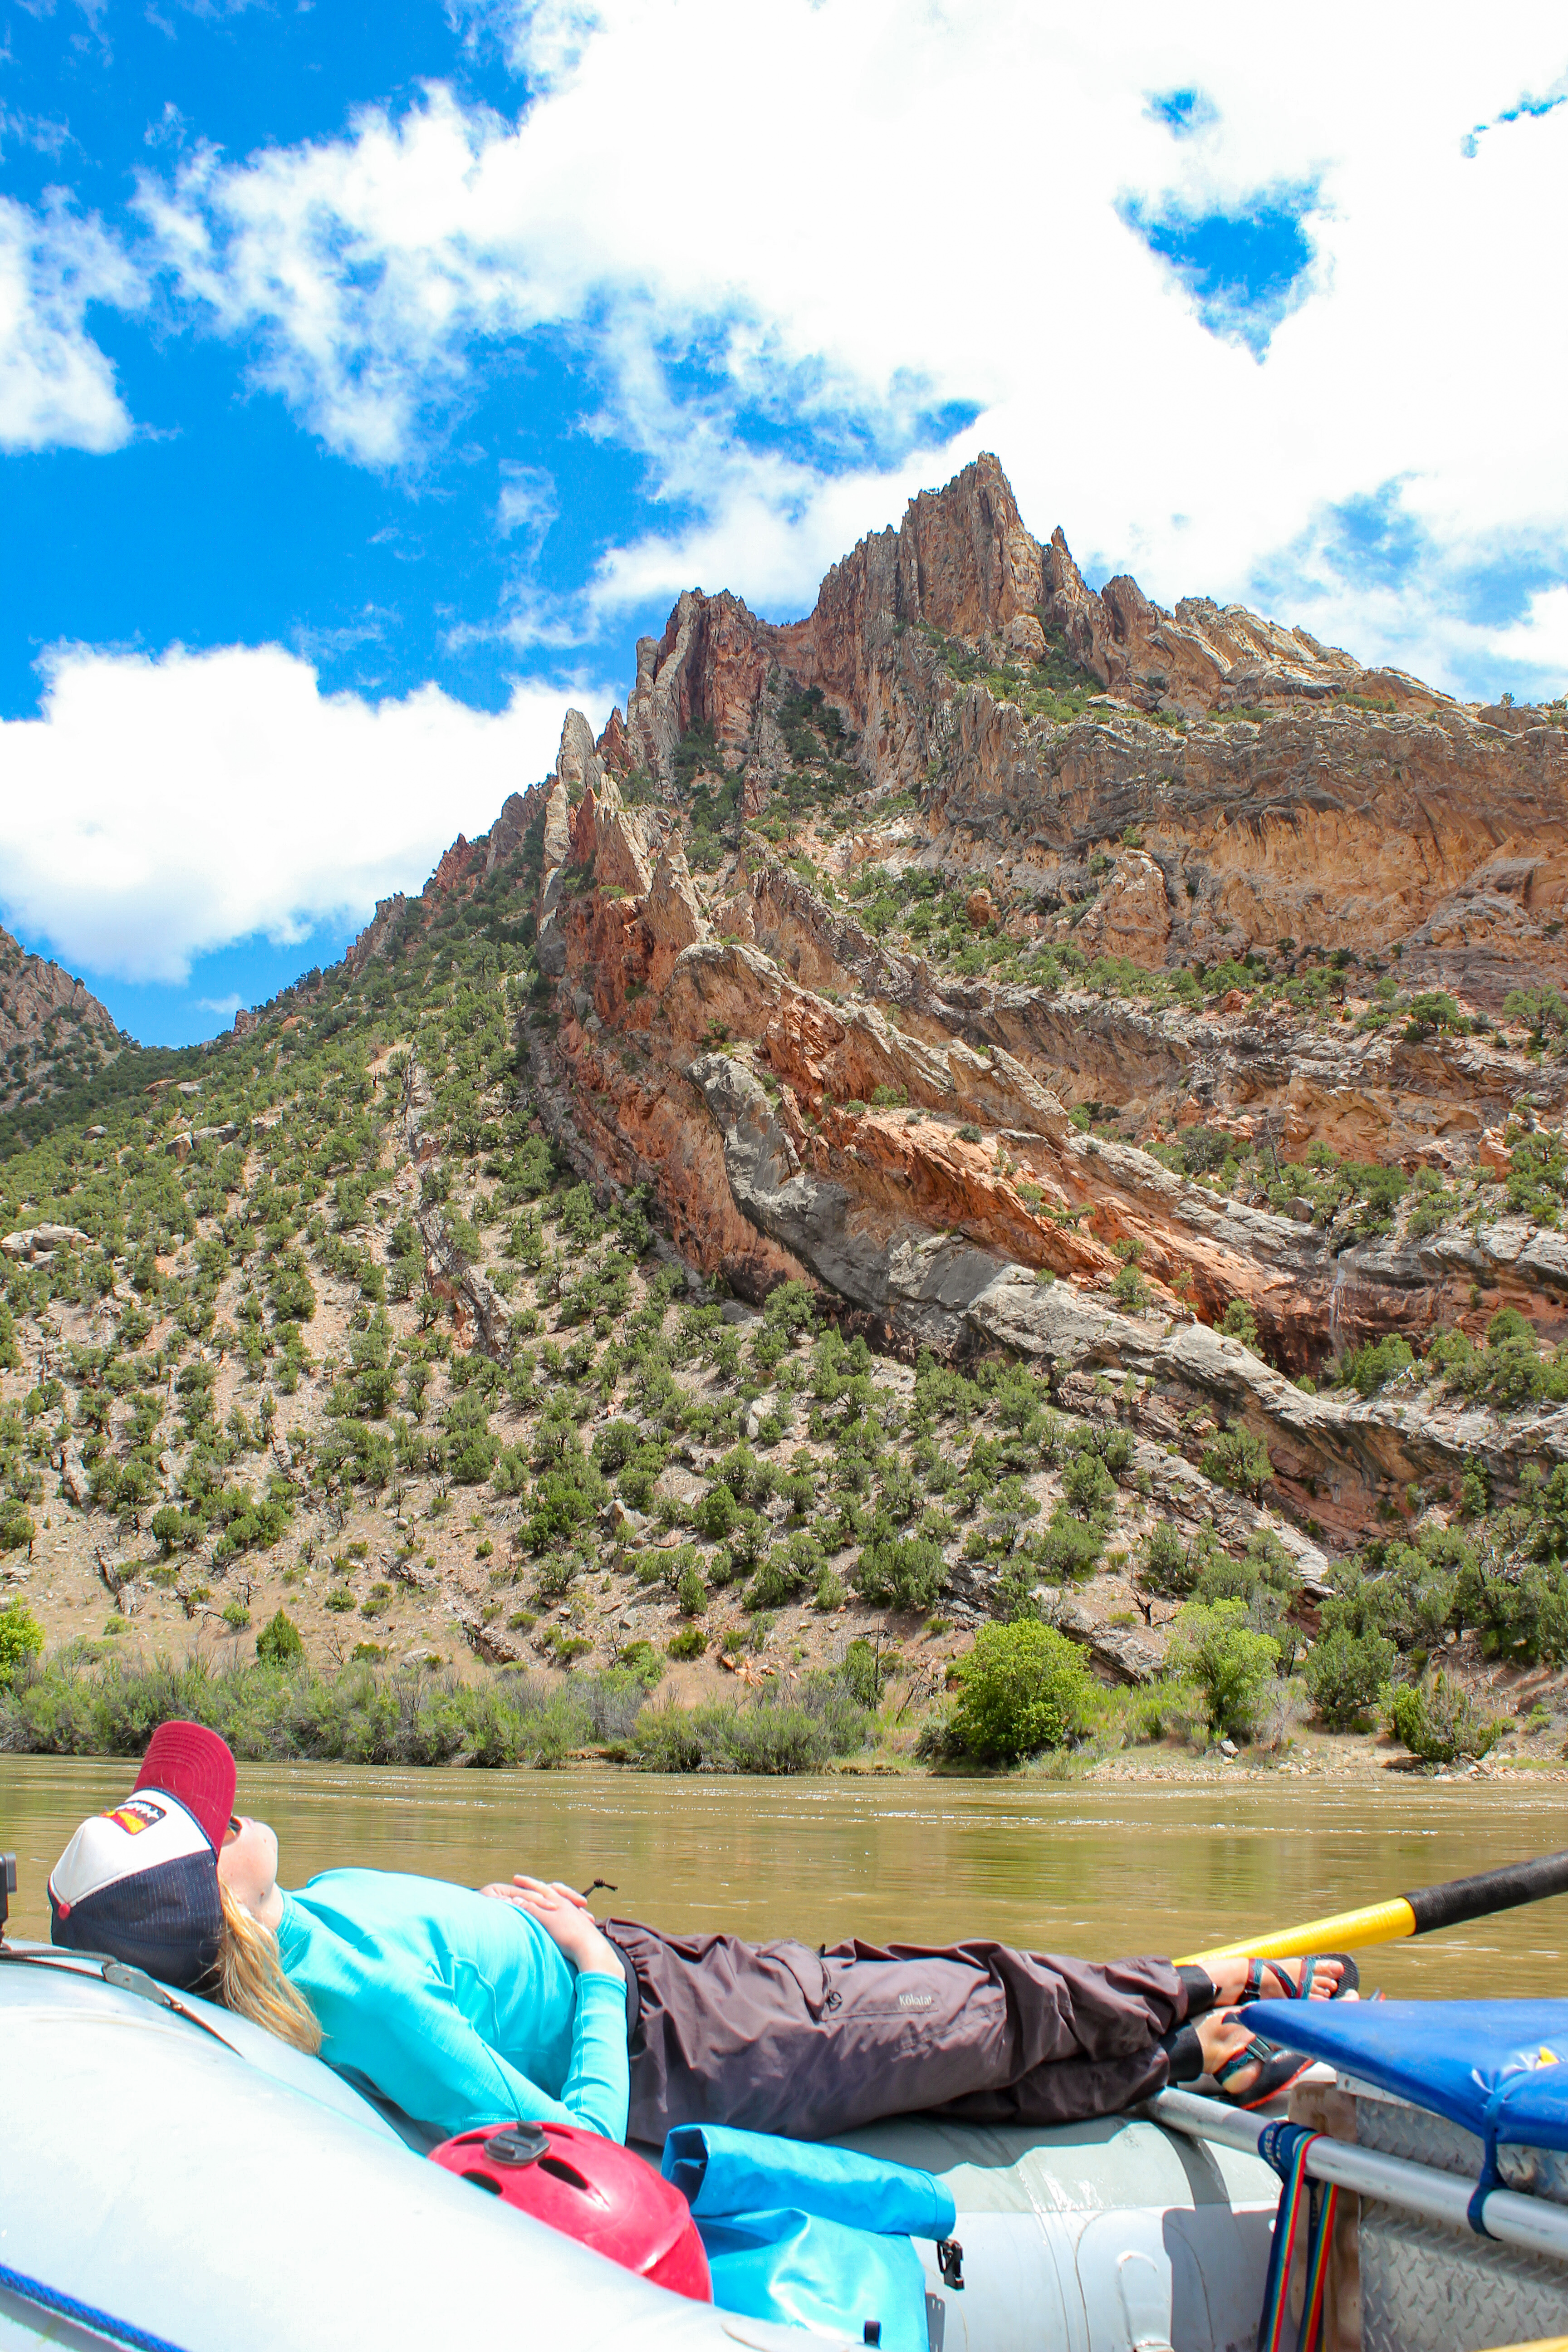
[(462, 2007)]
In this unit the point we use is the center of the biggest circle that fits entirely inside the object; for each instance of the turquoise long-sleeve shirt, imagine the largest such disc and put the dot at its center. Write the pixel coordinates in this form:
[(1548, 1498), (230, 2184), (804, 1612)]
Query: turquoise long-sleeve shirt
[(457, 2007)]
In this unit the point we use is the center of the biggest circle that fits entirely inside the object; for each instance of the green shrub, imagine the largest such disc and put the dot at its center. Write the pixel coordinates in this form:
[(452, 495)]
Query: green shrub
[(691, 1642), (1368, 1368), (716, 1513), (1236, 1459), (279, 1642), (291, 1292), (564, 1499), (1239, 1322), (641, 1662), (1346, 1674), (21, 1639), (171, 1527), (1166, 1565), (1069, 1546), (668, 1739), (1024, 1687), (1520, 1610), (829, 1591), (1542, 1011), (799, 1730), (1087, 1485), (901, 1572), (691, 1593), (1232, 1665), (861, 1670), (1439, 1722), (1538, 1180), (340, 1600), (1203, 1150), (1130, 1290), (15, 1527)]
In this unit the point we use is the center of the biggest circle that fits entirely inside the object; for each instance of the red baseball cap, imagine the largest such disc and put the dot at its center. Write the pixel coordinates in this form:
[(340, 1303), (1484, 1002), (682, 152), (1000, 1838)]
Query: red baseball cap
[(188, 1761)]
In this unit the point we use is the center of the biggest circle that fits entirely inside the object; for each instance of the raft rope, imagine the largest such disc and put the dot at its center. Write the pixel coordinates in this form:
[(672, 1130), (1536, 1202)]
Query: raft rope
[(1285, 2146), (67, 2306)]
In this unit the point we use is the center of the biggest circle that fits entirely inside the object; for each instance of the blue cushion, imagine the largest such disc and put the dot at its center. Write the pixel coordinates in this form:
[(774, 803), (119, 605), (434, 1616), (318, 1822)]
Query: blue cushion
[(1499, 2068)]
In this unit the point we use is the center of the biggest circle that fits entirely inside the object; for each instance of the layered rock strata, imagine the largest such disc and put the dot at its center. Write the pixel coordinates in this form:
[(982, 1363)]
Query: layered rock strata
[(808, 1091)]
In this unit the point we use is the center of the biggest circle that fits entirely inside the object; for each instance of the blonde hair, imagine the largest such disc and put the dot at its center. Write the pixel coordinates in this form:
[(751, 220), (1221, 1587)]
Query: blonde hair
[(248, 1976)]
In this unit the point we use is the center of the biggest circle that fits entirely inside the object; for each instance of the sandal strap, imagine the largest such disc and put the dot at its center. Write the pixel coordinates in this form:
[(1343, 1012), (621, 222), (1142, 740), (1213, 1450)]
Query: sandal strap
[(1258, 2052)]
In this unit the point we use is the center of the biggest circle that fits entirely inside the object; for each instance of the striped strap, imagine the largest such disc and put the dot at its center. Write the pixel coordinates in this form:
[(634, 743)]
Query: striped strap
[(1285, 2146), (1326, 2202)]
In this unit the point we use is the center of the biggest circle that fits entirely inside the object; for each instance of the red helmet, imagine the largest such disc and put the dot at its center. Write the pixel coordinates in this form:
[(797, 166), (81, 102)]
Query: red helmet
[(591, 2189)]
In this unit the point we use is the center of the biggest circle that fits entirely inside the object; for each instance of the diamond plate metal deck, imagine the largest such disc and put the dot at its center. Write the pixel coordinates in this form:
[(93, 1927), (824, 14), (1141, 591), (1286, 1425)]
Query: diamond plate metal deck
[(1425, 2289), (1398, 2129)]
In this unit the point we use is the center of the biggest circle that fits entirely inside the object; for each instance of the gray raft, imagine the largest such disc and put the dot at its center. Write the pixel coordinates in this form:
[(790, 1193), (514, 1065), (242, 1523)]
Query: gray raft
[(213, 2189)]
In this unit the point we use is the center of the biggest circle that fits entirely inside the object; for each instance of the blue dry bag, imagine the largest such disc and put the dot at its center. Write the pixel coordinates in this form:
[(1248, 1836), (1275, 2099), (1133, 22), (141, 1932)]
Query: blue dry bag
[(814, 2236)]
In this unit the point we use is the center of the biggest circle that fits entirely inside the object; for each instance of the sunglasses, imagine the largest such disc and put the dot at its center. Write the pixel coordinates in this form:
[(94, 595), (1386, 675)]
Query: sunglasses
[(235, 1826)]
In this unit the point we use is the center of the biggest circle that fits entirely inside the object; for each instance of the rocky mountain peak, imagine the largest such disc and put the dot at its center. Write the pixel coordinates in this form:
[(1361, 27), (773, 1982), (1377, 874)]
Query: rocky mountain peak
[(53, 1030)]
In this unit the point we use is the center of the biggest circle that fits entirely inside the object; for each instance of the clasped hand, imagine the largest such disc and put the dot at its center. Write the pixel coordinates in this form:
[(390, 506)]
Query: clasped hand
[(566, 1917)]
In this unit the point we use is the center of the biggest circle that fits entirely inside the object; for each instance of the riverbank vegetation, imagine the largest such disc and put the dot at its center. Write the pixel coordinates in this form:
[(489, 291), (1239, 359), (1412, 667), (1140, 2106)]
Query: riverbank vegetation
[(1022, 1693), (416, 1713)]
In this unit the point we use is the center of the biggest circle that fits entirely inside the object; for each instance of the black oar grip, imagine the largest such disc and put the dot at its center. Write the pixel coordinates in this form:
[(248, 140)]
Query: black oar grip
[(1490, 1890)]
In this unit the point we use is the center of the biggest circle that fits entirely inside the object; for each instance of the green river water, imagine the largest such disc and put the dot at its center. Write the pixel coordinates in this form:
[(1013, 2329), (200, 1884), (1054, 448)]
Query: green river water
[(1098, 1868)]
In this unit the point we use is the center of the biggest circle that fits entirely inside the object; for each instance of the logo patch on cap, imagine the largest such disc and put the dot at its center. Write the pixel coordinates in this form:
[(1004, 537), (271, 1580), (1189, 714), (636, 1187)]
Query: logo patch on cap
[(140, 1882), (136, 1814)]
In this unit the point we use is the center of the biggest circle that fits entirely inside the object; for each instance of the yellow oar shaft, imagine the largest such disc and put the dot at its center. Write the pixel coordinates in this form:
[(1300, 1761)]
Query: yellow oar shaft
[(1416, 1913), (1376, 1923)]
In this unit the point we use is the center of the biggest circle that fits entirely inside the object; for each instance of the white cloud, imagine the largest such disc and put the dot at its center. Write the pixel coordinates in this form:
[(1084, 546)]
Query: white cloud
[(1540, 641), (527, 503), (541, 39), (162, 808), (57, 388), (849, 207)]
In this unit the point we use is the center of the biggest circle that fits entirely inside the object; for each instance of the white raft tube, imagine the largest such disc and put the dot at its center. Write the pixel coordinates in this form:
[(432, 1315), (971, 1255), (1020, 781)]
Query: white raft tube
[(218, 2191)]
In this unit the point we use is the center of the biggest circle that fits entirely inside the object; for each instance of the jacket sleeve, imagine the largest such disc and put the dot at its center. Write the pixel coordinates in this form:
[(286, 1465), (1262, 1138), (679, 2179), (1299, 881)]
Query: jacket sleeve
[(406, 2034)]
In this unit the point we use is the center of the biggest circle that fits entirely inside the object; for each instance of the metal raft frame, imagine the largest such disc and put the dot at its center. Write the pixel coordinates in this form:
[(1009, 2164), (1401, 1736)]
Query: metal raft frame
[(1528, 2223)]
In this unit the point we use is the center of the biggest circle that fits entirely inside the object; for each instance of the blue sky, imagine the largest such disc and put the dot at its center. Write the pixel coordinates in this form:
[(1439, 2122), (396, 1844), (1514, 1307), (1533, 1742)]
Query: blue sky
[(371, 377)]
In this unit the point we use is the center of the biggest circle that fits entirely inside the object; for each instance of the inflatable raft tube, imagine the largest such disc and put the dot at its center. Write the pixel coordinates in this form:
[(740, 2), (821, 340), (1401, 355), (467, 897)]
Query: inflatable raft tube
[(1097, 2237), (187, 2178)]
